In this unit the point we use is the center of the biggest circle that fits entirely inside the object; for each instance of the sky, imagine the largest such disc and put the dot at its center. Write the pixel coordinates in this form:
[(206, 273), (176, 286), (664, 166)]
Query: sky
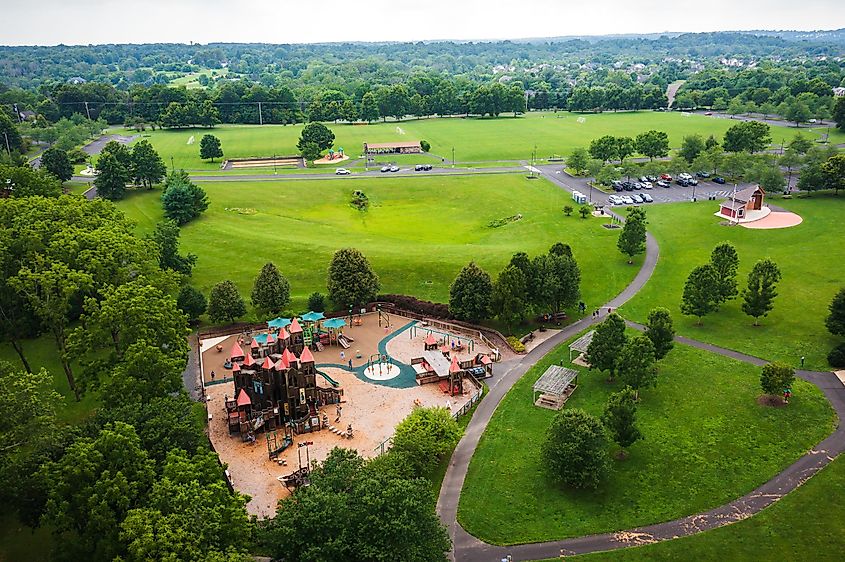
[(50, 22)]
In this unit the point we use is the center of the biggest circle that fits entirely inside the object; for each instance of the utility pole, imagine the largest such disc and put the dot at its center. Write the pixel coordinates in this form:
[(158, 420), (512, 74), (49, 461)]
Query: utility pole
[(260, 116), (9, 150), (87, 111), (453, 156)]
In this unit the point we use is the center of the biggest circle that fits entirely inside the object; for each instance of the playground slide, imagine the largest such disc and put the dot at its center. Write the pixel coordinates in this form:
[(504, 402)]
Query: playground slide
[(342, 341), (330, 380)]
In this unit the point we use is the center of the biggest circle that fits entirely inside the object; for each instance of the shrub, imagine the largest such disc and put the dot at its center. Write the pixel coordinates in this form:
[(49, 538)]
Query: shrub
[(425, 436), (836, 357), (317, 302), (418, 306), (567, 210), (425, 145), (517, 345)]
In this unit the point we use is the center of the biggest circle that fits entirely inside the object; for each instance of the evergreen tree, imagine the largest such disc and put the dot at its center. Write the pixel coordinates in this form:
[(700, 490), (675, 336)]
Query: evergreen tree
[(632, 240), (835, 321), (725, 262), (470, 294), (603, 351), (636, 363), (225, 303), (210, 147), (270, 291), (55, 161), (758, 297), (317, 302), (660, 331), (351, 280), (701, 292), (620, 418), (510, 296)]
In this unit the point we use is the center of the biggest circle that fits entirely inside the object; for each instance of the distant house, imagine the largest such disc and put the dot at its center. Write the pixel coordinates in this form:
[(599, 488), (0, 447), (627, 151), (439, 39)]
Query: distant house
[(76, 80), (741, 202), (404, 147), (839, 92)]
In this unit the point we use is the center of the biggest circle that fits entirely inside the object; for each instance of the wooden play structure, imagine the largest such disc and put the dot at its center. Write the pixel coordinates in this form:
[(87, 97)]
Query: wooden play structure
[(740, 203), (555, 387), (435, 366)]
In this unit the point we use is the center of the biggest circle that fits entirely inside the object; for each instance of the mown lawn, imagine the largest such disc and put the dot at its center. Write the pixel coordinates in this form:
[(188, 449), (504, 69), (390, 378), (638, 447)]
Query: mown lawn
[(809, 255), (707, 441), (473, 139), (418, 233), (805, 525)]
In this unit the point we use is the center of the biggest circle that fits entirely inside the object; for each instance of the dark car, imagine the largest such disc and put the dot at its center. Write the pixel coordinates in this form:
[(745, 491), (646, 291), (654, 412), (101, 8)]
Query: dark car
[(628, 186), (652, 179), (719, 180), (682, 182)]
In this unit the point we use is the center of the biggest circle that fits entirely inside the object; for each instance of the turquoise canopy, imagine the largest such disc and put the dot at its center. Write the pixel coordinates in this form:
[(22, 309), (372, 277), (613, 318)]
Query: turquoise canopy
[(278, 323), (334, 323), (312, 316)]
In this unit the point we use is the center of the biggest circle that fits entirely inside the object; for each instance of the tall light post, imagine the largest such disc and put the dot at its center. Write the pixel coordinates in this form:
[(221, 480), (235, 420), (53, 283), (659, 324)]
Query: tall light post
[(453, 156)]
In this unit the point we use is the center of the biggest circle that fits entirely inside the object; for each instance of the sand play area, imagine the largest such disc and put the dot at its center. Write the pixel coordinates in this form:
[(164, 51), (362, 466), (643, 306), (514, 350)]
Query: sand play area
[(775, 219), (372, 407)]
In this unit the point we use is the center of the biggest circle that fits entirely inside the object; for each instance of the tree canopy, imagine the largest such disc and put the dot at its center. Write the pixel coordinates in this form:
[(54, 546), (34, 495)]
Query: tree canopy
[(470, 294), (351, 280), (575, 449)]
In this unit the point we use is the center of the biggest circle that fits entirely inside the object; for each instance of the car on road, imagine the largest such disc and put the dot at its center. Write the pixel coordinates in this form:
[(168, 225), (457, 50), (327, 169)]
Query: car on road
[(664, 183), (647, 198), (422, 167), (708, 113), (385, 169), (665, 177), (648, 185), (719, 179), (394, 168), (636, 197), (626, 200), (342, 172), (702, 174)]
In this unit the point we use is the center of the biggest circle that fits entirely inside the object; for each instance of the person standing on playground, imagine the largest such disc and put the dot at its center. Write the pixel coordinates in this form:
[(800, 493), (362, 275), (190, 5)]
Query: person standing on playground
[(350, 362)]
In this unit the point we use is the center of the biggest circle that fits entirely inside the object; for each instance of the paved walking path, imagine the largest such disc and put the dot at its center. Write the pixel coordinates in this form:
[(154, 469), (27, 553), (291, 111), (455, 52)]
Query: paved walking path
[(467, 548)]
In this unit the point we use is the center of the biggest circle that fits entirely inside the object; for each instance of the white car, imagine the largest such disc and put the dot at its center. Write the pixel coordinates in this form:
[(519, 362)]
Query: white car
[(647, 185), (636, 197), (626, 200), (684, 176), (614, 200), (646, 198), (342, 172)]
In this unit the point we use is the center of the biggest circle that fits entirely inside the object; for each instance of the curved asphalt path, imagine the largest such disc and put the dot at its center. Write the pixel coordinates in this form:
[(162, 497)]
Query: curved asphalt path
[(467, 548)]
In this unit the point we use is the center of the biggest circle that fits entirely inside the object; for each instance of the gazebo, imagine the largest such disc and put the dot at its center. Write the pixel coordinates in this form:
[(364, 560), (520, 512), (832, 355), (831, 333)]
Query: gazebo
[(311, 317), (276, 323), (555, 387), (581, 344)]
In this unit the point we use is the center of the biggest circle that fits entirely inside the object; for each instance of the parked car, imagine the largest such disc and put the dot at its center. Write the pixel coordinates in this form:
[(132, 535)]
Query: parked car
[(652, 179), (626, 200), (664, 183), (702, 174), (643, 179), (647, 198), (394, 168), (627, 186), (708, 113), (385, 169), (682, 182), (422, 167), (342, 172), (719, 179), (685, 176), (636, 197), (647, 185), (638, 185), (614, 200), (692, 181), (665, 177)]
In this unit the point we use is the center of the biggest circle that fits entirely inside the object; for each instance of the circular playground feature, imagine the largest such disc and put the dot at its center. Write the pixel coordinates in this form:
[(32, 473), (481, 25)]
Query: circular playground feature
[(382, 371), (775, 219)]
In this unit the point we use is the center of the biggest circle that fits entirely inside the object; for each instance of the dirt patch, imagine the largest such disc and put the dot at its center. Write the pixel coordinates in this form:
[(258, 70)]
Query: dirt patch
[(769, 400)]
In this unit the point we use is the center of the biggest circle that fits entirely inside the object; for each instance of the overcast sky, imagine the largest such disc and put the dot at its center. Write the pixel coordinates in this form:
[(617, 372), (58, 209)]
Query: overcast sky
[(49, 22)]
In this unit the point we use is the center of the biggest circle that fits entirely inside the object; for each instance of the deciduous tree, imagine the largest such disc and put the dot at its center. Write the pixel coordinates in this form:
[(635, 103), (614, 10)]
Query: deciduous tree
[(470, 294), (210, 148), (835, 321), (147, 166), (225, 303), (603, 351), (425, 436), (654, 144), (55, 161), (725, 262), (191, 302), (776, 378), (636, 363), (270, 291), (632, 239), (351, 280), (575, 450), (620, 418), (660, 331), (759, 295), (510, 298), (701, 292)]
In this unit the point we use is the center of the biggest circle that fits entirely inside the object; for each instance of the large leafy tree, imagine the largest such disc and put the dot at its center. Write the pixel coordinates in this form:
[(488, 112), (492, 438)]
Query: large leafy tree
[(776, 377), (27, 182), (271, 290), (210, 148), (603, 148), (112, 177), (691, 147), (660, 331), (636, 363), (758, 296), (632, 239), (607, 343), (620, 418), (834, 170), (183, 200), (166, 238), (190, 515), (701, 292), (654, 144), (575, 450), (624, 148), (369, 108), (191, 302), (92, 489), (470, 294), (748, 136), (510, 298), (318, 134), (725, 262), (147, 166), (425, 437), (578, 159), (348, 498), (351, 280), (557, 279), (839, 113), (225, 303), (835, 321), (55, 161)]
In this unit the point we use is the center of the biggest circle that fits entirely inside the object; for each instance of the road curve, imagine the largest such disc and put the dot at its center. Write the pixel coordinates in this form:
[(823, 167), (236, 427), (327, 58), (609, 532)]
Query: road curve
[(467, 548)]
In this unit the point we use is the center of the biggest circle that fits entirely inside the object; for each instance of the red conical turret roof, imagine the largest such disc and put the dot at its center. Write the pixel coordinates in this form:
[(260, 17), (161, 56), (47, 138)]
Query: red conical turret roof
[(454, 367), (244, 399), (270, 338), (267, 365), (235, 367), (295, 328), (283, 334), (254, 344), (248, 360), (237, 351), (307, 356), (288, 356)]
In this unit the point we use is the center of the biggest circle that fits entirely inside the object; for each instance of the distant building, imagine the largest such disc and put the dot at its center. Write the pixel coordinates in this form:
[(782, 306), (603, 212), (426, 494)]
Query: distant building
[(76, 80), (739, 203), (839, 91), (404, 147)]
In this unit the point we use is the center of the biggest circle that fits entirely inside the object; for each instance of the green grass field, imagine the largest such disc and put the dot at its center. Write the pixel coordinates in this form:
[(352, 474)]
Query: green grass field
[(805, 525), (474, 140), (707, 441), (809, 255), (418, 233)]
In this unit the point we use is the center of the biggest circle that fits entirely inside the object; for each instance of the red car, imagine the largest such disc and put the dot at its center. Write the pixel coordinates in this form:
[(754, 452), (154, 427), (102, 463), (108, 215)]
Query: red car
[(665, 177)]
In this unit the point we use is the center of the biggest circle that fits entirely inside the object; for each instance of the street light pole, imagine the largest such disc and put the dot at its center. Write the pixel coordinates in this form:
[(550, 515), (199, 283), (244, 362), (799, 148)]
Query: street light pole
[(453, 156)]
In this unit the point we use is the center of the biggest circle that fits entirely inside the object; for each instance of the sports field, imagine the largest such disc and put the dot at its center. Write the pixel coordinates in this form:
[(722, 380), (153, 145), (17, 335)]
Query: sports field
[(418, 233), (809, 255), (474, 140), (707, 441)]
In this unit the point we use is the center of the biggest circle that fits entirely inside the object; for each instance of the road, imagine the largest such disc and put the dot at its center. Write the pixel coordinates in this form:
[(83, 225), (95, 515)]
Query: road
[(467, 548)]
